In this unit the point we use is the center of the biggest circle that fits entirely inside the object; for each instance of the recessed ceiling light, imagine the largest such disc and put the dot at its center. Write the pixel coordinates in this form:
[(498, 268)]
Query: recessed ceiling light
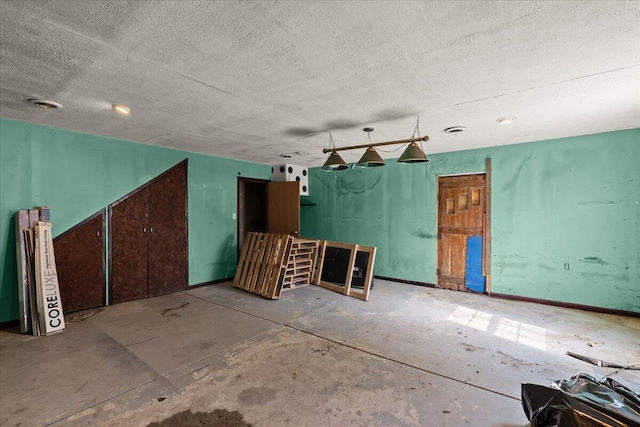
[(455, 129), (506, 120), (45, 103), (121, 109)]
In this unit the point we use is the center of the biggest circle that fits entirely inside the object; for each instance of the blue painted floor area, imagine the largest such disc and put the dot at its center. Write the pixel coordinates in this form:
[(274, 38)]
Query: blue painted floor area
[(410, 356)]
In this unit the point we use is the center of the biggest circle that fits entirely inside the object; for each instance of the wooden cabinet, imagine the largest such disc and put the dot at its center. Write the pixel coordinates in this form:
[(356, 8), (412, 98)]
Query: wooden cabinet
[(148, 239), (80, 263)]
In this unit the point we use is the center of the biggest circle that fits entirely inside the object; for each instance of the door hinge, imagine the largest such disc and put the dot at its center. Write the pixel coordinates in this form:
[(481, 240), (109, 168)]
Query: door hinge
[(438, 272), (439, 236)]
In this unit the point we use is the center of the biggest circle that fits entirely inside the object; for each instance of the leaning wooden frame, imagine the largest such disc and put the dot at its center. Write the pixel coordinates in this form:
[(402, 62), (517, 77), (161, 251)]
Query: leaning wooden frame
[(326, 262), (366, 256), (358, 254)]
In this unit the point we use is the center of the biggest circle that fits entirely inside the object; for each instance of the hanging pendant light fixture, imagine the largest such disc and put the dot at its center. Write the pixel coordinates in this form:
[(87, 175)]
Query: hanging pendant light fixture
[(414, 153), (335, 161), (370, 158)]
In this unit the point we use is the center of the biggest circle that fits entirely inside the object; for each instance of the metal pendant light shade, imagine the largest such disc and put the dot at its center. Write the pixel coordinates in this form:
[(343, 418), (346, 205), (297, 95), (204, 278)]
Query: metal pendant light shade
[(413, 154), (335, 163), (370, 159)]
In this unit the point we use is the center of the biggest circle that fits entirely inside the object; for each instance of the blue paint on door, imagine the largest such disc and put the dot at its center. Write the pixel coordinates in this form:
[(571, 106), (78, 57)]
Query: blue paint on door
[(474, 280)]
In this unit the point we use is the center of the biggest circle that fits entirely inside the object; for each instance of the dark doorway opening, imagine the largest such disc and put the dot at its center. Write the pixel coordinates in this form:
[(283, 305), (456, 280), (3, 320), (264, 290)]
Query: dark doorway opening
[(252, 207)]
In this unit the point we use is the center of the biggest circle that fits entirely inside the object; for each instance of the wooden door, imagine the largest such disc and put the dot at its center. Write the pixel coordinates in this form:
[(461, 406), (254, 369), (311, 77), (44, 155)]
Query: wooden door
[(461, 213), (283, 208), (167, 232), (80, 263), (128, 244)]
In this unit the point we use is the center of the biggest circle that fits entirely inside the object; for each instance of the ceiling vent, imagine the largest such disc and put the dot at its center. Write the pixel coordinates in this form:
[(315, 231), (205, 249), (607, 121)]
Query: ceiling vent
[(455, 129), (46, 104)]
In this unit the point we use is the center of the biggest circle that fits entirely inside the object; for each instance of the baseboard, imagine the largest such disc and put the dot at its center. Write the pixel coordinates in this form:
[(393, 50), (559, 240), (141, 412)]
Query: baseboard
[(211, 282), (567, 305), (410, 282), (9, 324)]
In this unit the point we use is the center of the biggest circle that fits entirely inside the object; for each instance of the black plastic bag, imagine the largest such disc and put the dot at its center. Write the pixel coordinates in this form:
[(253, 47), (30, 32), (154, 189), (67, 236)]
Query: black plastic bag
[(581, 401)]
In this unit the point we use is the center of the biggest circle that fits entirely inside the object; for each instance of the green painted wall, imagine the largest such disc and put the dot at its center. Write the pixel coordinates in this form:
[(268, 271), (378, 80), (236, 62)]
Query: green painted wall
[(574, 200), (76, 175)]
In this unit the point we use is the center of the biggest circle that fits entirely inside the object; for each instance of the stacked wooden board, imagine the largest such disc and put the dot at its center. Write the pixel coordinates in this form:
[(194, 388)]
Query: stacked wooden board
[(262, 263), (38, 290), (301, 263)]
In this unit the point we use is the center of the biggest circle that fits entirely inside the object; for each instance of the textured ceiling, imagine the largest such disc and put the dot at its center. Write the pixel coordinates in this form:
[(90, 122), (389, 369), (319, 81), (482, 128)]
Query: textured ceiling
[(254, 80)]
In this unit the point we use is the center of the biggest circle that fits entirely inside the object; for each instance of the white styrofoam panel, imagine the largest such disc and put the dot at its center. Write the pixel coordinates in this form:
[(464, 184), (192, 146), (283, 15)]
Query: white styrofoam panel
[(288, 172)]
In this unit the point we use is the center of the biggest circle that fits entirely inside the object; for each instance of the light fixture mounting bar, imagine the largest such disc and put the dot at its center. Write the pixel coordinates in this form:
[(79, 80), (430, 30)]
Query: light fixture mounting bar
[(377, 144)]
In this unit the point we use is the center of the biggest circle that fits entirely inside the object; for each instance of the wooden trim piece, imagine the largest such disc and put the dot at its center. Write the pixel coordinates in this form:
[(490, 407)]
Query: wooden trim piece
[(377, 144), (486, 259), (438, 240), (469, 179), (448, 175), (364, 295), (186, 223), (320, 262), (105, 255), (109, 267), (567, 305), (332, 287)]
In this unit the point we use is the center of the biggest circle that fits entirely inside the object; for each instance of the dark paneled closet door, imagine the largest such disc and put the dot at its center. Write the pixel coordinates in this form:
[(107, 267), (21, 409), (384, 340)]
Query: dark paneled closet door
[(167, 237), (128, 241), (79, 256)]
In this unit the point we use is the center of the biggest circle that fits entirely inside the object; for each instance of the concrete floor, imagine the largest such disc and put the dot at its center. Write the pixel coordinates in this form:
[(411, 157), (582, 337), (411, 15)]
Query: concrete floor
[(410, 356)]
